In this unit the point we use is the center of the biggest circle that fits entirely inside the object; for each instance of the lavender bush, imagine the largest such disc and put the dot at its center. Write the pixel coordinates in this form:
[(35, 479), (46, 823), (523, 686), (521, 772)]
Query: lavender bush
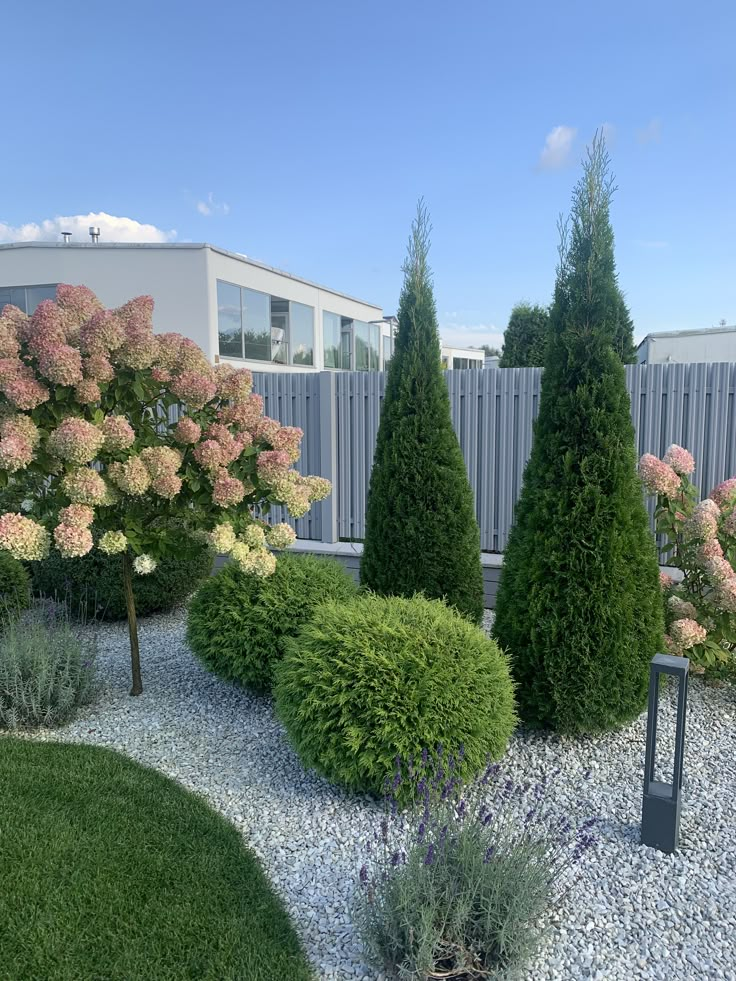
[(457, 886), (46, 670)]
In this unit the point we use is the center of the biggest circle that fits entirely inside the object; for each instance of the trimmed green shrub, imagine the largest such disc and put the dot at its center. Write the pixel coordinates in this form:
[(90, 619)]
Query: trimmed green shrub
[(421, 532), (46, 672), (525, 337), (92, 586), (579, 607), (238, 623), (15, 589), (381, 677)]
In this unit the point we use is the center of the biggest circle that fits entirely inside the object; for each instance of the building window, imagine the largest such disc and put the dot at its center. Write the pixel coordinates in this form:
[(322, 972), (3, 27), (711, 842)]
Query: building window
[(366, 346), (337, 340), (260, 327), (458, 363), (26, 298), (388, 348)]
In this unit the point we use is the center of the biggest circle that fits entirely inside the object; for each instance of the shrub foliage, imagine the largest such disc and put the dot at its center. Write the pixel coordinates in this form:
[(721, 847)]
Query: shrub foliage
[(578, 607), (525, 337), (93, 585), (421, 530), (14, 586), (46, 673), (381, 677), (238, 623)]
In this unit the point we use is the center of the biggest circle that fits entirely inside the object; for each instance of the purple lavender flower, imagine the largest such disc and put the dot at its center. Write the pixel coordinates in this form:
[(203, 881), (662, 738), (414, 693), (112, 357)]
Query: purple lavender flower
[(384, 829), (425, 756), (461, 751), (396, 782), (421, 787), (529, 816), (586, 775), (462, 809), (395, 858), (489, 854), (440, 750), (450, 762), (429, 858), (363, 874), (421, 831)]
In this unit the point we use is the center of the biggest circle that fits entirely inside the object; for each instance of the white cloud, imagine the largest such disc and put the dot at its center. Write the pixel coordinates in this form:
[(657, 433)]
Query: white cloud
[(211, 207), (557, 147), (112, 229), (471, 335), (608, 131), (652, 132)]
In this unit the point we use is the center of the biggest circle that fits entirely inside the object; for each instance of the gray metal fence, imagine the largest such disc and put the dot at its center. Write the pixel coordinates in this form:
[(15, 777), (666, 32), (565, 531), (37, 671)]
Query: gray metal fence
[(493, 412)]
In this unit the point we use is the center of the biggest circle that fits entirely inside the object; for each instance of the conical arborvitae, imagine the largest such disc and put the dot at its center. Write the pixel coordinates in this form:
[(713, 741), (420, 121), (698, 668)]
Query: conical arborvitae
[(579, 607), (421, 530)]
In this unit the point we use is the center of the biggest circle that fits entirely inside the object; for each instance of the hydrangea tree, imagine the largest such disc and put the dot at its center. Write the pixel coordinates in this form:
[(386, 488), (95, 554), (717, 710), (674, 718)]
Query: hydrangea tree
[(700, 610), (85, 400)]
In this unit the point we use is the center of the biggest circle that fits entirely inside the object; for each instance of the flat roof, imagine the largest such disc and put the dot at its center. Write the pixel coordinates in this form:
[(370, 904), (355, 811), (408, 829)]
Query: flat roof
[(687, 333), (187, 245)]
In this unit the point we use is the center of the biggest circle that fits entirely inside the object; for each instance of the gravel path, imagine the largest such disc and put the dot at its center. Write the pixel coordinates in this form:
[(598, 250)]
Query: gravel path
[(631, 913)]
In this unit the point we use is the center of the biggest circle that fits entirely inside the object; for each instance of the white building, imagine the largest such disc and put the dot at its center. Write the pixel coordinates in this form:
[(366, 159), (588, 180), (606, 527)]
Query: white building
[(688, 346), (454, 358), (236, 309)]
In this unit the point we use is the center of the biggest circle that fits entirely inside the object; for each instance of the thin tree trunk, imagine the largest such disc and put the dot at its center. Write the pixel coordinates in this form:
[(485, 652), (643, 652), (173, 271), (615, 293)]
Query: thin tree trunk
[(135, 660)]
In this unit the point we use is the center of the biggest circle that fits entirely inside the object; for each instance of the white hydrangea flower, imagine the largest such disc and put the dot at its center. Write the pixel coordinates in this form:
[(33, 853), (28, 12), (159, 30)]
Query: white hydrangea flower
[(144, 564)]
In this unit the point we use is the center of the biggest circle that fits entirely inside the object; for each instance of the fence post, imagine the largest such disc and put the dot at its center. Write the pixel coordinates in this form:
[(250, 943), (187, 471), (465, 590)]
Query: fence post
[(328, 451)]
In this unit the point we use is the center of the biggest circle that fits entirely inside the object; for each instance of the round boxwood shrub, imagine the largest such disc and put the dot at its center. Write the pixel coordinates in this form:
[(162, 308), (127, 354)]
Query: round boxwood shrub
[(380, 677), (93, 584), (15, 589), (238, 622)]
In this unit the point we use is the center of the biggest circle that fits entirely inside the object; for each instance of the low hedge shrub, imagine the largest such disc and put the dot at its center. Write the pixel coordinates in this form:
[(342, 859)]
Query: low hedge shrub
[(238, 623), (378, 678), (92, 586)]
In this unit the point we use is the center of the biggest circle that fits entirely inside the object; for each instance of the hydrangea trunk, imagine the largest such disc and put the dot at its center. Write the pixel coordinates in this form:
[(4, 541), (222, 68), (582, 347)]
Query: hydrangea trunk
[(135, 659)]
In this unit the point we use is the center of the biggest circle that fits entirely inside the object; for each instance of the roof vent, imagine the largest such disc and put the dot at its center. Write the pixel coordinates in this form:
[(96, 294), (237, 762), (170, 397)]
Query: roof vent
[(66, 236), (94, 234)]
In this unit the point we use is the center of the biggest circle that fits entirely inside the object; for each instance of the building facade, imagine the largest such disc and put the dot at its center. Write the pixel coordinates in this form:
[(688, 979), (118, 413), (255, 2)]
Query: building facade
[(457, 358), (236, 309), (715, 344)]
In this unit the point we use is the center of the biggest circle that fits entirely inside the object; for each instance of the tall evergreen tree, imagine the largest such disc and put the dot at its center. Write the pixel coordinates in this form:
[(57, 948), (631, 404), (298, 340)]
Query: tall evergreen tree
[(579, 605), (623, 341), (525, 337), (421, 530)]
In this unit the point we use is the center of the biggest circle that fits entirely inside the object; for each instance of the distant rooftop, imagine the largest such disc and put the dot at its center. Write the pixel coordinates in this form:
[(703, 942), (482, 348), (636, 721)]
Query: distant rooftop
[(239, 256), (687, 333)]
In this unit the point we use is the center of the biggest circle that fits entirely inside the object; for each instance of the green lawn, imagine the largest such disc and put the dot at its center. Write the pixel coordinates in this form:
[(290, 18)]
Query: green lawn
[(111, 872)]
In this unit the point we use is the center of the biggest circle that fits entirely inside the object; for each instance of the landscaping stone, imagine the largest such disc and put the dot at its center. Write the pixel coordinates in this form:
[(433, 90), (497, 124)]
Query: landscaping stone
[(631, 912)]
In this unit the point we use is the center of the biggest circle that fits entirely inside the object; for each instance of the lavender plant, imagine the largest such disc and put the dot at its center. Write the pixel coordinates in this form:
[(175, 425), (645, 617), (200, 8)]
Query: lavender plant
[(46, 670), (457, 887)]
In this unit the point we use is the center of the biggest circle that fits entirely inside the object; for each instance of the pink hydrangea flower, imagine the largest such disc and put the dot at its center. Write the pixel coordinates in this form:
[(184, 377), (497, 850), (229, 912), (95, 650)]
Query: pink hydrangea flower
[(194, 388), (61, 364), (272, 466), (680, 460), (280, 536), (132, 476), (666, 582), (681, 608), (725, 493), (16, 452), (87, 391), (658, 477), (161, 375), (9, 345), (140, 348), (23, 537), (227, 490), (78, 304), (167, 485), (725, 596), (258, 562), (234, 385), (21, 425), (289, 439), (20, 386), (729, 524), (118, 433), (161, 460), (209, 455), (266, 430), (718, 571), (76, 440), (245, 415), (686, 633), (85, 486), (98, 367), (78, 515), (709, 550), (46, 328), (702, 525), (319, 488), (72, 541), (187, 431), (103, 333)]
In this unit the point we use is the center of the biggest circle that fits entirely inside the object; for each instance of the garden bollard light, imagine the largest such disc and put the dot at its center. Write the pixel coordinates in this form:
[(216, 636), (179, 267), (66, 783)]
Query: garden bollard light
[(660, 819)]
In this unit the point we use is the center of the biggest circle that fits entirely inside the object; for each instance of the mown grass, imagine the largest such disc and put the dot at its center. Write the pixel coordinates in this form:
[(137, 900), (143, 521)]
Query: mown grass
[(111, 871)]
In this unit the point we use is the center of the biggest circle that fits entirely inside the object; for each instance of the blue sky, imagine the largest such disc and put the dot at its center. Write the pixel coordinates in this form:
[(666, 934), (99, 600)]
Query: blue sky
[(302, 134)]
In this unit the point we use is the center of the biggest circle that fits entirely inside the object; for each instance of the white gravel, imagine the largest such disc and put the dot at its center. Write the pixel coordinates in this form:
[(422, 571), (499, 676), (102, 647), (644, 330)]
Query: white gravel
[(632, 911)]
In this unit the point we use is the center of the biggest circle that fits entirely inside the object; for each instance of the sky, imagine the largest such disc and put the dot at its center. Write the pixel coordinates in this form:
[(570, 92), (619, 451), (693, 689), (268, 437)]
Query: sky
[(303, 134)]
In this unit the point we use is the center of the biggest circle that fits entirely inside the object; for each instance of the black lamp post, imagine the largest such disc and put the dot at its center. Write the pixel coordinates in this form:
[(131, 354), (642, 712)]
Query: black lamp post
[(660, 819)]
